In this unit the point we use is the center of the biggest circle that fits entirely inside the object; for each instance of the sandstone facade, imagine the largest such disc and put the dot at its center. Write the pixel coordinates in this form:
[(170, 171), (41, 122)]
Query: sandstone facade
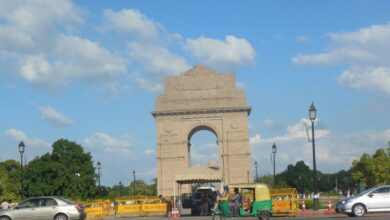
[(201, 99)]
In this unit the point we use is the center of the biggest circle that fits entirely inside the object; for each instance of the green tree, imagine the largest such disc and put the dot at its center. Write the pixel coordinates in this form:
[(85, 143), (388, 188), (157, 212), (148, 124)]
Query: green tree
[(374, 170), (68, 171), (10, 179), (298, 176)]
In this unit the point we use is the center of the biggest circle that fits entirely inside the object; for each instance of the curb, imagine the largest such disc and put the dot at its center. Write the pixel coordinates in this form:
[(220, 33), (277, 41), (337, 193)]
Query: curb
[(317, 213)]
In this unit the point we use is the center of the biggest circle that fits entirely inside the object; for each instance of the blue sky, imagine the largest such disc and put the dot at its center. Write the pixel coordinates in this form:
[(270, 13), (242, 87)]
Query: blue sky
[(90, 71)]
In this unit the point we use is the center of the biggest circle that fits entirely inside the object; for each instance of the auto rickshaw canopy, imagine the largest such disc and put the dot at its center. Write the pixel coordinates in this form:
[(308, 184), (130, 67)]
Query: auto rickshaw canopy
[(262, 191)]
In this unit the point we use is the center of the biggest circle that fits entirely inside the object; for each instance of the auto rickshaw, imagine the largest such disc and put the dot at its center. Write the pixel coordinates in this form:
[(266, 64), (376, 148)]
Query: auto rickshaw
[(255, 202)]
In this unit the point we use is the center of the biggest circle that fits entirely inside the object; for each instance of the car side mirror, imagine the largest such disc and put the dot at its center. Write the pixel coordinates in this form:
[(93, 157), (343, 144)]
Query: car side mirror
[(370, 195)]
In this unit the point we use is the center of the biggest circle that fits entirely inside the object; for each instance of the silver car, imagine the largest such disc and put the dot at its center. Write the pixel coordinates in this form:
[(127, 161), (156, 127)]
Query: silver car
[(45, 208), (376, 199)]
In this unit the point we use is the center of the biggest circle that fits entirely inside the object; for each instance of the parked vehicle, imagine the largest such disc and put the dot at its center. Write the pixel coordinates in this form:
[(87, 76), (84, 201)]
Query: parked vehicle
[(376, 199), (255, 202), (203, 191), (45, 208)]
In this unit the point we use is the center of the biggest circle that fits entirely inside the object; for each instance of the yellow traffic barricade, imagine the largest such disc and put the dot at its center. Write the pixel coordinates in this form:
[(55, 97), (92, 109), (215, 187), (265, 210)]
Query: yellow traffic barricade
[(284, 202), (94, 210), (153, 206), (140, 206)]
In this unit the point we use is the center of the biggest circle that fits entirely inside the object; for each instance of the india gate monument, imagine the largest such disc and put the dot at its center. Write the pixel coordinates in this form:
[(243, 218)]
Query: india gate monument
[(201, 99)]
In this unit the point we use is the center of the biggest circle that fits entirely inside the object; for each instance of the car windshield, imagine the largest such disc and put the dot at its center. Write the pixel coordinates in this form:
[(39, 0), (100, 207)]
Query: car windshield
[(366, 191)]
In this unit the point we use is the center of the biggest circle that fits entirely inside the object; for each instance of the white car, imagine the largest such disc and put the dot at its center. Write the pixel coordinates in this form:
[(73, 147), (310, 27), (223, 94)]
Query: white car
[(376, 199), (45, 208)]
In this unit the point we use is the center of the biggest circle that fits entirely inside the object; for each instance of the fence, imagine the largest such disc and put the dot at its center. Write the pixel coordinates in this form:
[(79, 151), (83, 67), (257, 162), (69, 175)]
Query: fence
[(140, 206), (98, 209)]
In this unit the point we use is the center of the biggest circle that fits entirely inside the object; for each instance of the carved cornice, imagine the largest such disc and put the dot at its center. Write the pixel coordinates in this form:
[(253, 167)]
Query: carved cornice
[(202, 111)]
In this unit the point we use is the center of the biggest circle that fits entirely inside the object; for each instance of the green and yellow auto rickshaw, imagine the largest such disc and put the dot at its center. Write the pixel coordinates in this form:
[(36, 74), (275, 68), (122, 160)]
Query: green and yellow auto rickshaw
[(255, 202)]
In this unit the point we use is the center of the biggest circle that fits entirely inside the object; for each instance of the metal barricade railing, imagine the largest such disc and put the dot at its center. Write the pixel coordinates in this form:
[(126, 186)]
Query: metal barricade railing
[(98, 209), (284, 202), (140, 206)]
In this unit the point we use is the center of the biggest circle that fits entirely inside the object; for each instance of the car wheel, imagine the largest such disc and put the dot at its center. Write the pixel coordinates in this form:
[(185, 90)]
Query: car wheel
[(60, 217), (358, 210), (5, 218), (264, 216)]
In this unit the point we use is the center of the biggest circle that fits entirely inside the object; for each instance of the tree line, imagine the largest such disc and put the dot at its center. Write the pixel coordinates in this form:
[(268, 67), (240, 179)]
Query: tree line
[(68, 171), (369, 170)]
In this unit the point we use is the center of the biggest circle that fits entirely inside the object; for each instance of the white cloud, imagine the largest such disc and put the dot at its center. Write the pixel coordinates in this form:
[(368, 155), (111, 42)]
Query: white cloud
[(255, 139), (19, 135), (75, 59), (149, 85), (374, 79), (148, 173), (108, 143), (149, 152), (131, 22), (334, 151), (39, 42), (37, 37), (116, 88), (296, 131), (231, 53), (29, 25), (157, 60), (302, 39), (241, 85), (367, 51), (54, 117), (204, 153), (272, 125)]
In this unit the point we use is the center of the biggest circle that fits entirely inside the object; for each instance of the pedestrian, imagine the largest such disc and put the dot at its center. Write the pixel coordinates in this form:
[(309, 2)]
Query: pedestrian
[(4, 204), (205, 204), (217, 199)]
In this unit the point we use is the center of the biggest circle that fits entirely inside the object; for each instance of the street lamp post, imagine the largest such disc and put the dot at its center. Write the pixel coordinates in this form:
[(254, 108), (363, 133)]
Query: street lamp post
[(77, 175), (257, 177), (274, 152), (99, 166), (134, 181), (21, 150), (312, 116), (120, 188), (301, 184)]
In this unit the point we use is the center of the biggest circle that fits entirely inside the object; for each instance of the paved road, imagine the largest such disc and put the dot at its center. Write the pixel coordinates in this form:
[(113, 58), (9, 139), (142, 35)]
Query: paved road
[(379, 216)]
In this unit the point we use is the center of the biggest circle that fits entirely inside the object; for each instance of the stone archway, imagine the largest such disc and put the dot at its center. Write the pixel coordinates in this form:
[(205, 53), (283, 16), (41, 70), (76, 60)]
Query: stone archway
[(196, 129), (201, 99)]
